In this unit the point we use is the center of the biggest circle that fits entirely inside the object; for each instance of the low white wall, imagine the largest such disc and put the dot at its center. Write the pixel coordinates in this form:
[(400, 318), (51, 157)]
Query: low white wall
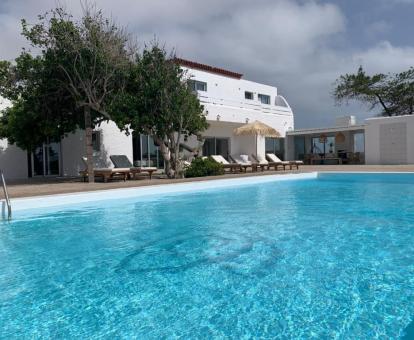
[(113, 142), (72, 150), (389, 140), (13, 161)]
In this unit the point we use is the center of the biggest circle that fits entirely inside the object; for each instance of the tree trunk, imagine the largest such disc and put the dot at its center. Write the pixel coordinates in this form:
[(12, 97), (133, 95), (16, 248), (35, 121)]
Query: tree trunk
[(88, 141), (166, 155)]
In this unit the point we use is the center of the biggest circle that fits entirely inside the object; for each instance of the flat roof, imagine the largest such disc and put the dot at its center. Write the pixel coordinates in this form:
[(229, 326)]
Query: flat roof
[(208, 68), (327, 130)]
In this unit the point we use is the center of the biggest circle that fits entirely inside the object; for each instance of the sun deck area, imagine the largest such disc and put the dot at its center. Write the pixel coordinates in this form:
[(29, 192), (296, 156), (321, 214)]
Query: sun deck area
[(52, 186)]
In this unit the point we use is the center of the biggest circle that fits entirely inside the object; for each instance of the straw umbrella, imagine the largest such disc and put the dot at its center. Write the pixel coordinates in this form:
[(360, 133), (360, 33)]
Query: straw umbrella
[(256, 128)]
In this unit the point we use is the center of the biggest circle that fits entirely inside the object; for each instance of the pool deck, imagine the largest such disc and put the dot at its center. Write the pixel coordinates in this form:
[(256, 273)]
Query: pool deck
[(51, 186)]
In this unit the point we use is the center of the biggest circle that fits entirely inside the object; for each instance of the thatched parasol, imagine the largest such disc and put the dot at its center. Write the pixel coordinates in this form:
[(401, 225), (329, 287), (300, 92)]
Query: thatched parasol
[(256, 129)]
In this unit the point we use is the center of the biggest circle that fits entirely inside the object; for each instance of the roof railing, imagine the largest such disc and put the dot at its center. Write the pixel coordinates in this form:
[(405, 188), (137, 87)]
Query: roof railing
[(6, 196)]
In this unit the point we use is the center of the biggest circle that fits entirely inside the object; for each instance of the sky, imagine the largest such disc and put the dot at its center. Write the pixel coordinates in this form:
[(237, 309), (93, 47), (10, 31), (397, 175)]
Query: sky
[(300, 46)]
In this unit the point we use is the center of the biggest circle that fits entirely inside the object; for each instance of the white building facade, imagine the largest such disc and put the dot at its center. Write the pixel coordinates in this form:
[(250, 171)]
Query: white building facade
[(378, 141), (229, 102)]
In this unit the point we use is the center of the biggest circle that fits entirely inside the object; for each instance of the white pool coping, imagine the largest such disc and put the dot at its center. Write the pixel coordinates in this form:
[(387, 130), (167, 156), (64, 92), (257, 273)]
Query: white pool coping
[(47, 201)]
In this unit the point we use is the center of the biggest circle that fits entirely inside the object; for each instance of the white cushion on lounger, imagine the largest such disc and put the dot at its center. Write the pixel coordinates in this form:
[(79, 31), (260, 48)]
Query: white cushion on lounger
[(276, 159), (220, 159), (244, 158), (240, 161), (261, 160)]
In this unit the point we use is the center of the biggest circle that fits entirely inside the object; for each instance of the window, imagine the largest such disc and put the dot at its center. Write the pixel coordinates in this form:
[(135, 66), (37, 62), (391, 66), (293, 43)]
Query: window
[(196, 85), (216, 146), (280, 101), (96, 141), (276, 146), (299, 147), (248, 95), (322, 148), (264, 98), (359, 142)]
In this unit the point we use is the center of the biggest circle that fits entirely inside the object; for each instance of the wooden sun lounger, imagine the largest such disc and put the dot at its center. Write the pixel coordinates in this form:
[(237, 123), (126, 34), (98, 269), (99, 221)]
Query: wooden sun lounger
[(233, 167), (244, 165), (264, 165), (276, 160), (122, 161), (105, 173)]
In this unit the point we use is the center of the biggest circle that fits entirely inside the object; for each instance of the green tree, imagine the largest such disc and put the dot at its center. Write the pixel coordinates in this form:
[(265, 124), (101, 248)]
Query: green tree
[(393, 93), (159, 102), (81, 68)]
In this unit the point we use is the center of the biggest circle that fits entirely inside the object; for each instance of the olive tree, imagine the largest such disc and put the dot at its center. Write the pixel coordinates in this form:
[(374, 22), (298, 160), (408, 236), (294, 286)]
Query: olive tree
[(79, 67), (159, 102)]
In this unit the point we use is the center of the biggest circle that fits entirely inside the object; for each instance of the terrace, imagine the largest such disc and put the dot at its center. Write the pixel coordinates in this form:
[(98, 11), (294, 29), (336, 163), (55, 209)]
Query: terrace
[(51, 186), (342, 144)]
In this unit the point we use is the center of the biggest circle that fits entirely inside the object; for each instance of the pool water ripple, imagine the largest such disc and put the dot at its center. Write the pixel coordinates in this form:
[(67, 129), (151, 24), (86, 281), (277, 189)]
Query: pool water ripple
[(324, 258)]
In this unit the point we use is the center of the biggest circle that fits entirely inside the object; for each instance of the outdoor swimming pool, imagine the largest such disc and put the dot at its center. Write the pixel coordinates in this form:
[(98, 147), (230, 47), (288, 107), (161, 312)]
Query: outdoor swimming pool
[(331, 257)]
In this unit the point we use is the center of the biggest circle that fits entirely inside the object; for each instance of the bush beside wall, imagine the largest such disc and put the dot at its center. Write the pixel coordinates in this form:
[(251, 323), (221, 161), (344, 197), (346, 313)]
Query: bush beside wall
[(204, 167)]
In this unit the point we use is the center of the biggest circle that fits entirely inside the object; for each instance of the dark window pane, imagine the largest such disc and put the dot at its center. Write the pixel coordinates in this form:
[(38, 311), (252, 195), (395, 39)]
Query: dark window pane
[(222, 147), (38, 161), (53, 159), (248, 95), (264, 99), (209, 147)]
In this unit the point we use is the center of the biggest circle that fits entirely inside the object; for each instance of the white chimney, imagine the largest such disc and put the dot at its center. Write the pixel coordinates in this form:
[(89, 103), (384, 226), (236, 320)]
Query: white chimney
[(345, 121)]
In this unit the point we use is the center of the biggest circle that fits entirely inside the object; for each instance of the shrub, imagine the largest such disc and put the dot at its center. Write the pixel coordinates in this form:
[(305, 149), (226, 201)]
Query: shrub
[(204, 167)]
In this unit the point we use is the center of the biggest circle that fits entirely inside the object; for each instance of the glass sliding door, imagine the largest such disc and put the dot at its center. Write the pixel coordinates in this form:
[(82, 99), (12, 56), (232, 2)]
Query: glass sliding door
[(38, 161), (146, 152), (222, 147), (299, 148), (209, 146), (216, 146), (46, 160), (276, 146)]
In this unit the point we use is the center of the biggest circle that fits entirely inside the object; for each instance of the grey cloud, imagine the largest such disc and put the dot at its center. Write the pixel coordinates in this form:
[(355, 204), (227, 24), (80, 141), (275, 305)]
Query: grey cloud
[(299, 46)]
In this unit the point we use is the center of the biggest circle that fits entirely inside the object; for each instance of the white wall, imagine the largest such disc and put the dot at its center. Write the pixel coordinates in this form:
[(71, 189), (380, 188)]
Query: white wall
[(224, 101), (72, 150), (389, 140), (113, 142), (13, 161)]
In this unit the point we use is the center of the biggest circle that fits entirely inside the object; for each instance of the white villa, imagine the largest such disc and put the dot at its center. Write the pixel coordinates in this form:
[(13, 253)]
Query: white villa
[(229, 102)]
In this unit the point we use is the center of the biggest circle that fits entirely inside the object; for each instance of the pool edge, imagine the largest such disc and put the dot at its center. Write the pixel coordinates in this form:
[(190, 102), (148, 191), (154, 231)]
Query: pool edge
[(46, 201)]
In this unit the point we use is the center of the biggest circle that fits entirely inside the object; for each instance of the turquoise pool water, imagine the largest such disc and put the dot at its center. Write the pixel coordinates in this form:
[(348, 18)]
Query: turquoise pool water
[(326, 258)]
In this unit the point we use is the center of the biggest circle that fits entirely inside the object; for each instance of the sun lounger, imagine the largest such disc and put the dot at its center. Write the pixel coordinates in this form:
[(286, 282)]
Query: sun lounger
[(122, 161), (104, 172), (273, 158), (244, 163), (226, 165), (262, 163), (269, 164)]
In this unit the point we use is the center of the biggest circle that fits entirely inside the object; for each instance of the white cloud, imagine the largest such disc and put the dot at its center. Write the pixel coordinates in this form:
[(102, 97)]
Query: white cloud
[(298, 46)]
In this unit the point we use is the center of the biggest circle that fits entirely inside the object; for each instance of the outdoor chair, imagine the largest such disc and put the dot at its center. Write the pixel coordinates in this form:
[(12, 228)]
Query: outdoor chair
[(233, 167), (244, 163), (273, 158), (122, 161), (104, 172)]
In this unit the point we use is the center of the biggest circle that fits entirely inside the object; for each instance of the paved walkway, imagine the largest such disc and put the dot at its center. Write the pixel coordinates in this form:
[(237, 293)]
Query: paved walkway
[(42, 186)]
